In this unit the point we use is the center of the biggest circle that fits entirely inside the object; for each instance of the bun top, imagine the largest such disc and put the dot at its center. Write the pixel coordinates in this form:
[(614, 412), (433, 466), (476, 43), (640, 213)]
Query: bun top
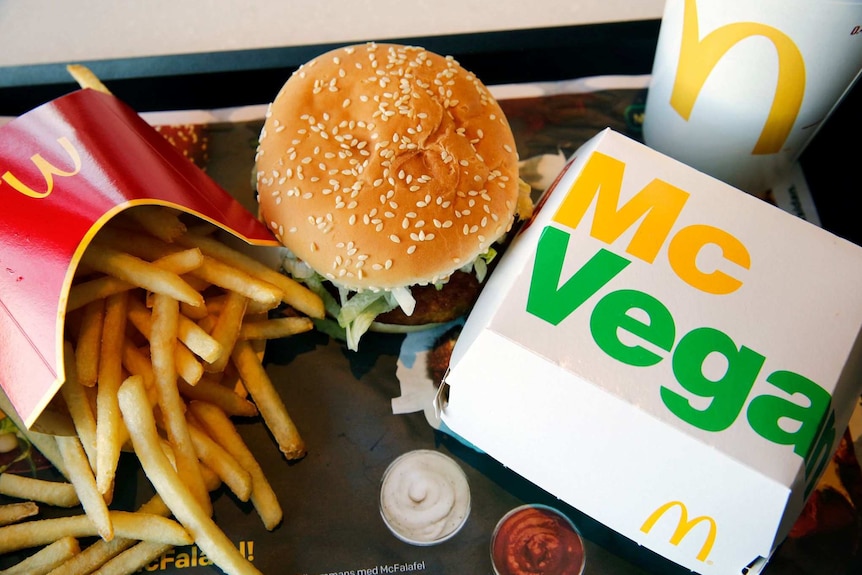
[(383, 166)]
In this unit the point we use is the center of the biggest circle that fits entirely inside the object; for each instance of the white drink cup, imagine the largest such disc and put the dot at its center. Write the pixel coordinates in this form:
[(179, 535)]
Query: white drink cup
[(739, 87)]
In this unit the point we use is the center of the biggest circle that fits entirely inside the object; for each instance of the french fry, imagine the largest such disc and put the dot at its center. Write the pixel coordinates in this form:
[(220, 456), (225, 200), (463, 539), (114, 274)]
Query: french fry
[(90, 291), (56, 493), (226, 398), (138, 363), (86, 352), (188, 367), (227, 327), (78, 403), (275, 328), (133, 558), (268, 400), (201, 343), (85, 484), (230, 379), (214, 456), (159, 221), (221, 429), (293, 293), (136, 243), (139, 272), (15, 512), (110, 434), (176, 495), (163, 341), (93, 556), (128, 524), (86, 78), (216, 303), (199, 284), (181, 262), (44, 560), (235, 280), (191, 312)]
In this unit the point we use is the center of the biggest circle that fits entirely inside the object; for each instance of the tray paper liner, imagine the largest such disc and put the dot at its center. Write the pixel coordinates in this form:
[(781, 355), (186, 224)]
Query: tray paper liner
[(669, 355), (66, 168)]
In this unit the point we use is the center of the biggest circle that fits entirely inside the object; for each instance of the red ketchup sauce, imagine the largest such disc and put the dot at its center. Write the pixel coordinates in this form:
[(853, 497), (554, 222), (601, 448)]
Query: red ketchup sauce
[(536, 540)]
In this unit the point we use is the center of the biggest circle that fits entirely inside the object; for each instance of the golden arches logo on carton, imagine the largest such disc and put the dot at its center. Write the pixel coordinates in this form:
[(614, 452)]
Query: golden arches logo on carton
[(684, 526), (698, 57), (47, 170)]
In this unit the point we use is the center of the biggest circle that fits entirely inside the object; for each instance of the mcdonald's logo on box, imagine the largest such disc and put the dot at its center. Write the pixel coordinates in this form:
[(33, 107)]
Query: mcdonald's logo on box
[(671, 356), (684, 525)]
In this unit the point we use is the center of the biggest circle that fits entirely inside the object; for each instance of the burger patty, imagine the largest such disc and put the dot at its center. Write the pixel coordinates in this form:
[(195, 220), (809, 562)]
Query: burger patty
[(454, 299)]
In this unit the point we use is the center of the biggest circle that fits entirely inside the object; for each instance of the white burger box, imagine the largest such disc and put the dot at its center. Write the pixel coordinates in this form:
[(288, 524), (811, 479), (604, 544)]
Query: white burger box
[(667, 354)]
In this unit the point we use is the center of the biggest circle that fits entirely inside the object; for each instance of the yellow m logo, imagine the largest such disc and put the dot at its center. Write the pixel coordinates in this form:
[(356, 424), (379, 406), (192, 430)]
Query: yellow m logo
[(684, 526), (47, 170), (697, 58)]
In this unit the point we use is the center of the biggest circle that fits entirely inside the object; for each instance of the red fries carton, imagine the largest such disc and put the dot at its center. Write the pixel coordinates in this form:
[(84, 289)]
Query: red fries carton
[(671, 356), (66, 168)]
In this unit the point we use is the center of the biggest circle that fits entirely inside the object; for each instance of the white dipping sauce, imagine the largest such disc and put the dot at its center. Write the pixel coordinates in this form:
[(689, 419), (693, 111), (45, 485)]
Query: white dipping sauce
[(424, 497)]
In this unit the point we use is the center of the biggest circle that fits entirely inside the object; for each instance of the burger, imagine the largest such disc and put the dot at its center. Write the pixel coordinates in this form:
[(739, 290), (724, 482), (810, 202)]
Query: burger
[(390, 175)]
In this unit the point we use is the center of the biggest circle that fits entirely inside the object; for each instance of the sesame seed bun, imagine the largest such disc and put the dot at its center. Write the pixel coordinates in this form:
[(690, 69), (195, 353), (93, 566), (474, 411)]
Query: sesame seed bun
[(383, 166)]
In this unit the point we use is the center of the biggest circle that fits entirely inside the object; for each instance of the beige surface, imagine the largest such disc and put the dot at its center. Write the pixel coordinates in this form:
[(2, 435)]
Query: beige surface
[(46, 31)]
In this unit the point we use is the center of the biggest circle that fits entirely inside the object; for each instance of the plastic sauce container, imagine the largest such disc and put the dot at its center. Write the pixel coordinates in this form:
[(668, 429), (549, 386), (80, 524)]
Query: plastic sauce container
[(424, 497), (537, 540)]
